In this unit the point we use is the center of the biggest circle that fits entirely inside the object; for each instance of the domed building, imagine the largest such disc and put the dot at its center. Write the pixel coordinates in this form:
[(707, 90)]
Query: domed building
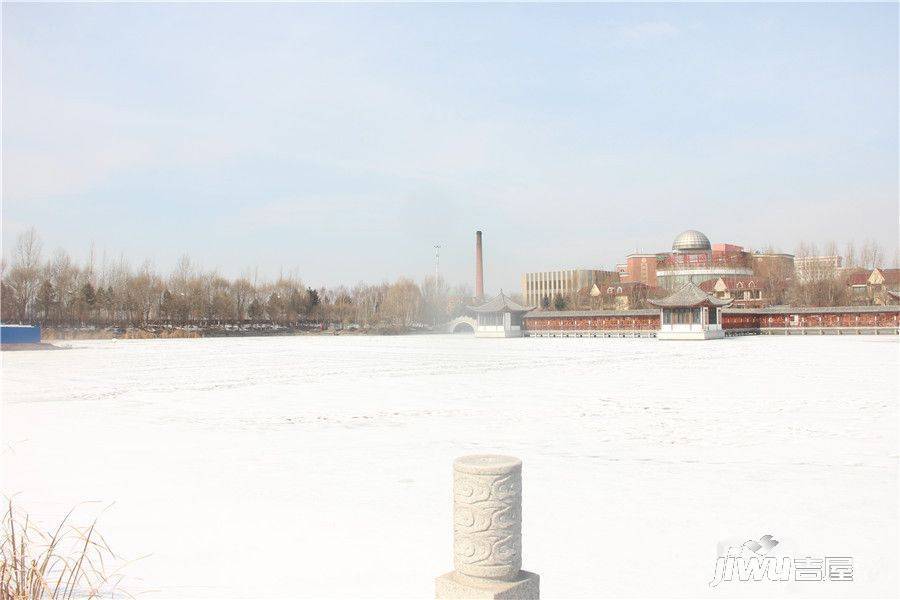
[(693, 259), (691, 241)]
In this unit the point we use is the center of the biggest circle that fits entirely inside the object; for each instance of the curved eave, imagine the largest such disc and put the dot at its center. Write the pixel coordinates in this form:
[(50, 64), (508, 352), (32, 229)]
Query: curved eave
[(706, 303), (502, 309)]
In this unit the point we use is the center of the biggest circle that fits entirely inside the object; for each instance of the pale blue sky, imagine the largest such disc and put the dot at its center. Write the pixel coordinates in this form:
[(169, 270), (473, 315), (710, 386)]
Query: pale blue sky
[(343, 141)]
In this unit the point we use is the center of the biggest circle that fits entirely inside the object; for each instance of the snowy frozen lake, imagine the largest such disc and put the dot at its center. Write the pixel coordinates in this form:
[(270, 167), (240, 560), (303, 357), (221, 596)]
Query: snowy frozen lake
[(321, 466)]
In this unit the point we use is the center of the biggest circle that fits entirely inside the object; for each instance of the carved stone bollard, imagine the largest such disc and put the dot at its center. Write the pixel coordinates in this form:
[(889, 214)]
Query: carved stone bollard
[(487, 532)]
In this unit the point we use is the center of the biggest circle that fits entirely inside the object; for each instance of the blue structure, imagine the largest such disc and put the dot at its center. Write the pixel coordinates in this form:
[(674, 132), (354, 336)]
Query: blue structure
[(20, 334)]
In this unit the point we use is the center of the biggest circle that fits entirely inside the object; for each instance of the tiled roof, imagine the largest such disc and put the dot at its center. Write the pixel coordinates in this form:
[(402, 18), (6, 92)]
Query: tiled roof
[(553, 314), (733, 283), (687, 296), (615, 289), (781, 310), (499, 303), (858, 277), (788, 310), (891, 276)]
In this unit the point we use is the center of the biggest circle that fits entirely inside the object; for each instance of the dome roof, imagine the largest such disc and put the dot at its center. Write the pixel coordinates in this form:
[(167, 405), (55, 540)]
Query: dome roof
[(690, 240)]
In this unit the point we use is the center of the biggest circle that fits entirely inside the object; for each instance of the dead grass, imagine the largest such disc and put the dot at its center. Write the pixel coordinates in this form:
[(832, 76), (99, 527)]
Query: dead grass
[(53, 334), (69, 562)]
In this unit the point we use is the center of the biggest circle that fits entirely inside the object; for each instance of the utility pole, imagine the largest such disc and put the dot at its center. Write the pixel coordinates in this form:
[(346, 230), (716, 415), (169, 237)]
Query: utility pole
[(437, 261)]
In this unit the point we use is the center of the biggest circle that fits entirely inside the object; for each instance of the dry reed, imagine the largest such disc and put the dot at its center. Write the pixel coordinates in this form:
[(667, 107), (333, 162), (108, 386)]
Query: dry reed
[(70, 562)]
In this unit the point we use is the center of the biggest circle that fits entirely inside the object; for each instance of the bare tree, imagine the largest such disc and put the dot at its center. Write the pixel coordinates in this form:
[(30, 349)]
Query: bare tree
[(435, 295), (850, 257), (60, 292), (871, 254), (23, 276)]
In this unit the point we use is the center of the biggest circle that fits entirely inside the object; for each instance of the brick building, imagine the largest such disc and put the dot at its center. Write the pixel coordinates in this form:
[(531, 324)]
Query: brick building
[(694, 259), (773, 263), (640, 268)]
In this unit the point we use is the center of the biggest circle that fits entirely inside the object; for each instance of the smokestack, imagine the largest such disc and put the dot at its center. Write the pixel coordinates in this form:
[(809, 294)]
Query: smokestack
[(479, 268)]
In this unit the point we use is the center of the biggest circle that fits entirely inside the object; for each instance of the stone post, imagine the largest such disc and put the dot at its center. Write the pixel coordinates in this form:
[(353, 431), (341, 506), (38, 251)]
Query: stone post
[(487, 532)]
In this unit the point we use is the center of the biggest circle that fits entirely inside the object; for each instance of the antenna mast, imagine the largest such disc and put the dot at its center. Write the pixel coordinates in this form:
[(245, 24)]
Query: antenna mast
[(437, 260)]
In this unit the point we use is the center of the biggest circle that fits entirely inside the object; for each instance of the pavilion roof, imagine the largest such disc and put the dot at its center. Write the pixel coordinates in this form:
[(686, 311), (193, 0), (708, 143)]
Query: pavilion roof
[(687, 296), (500, 303)]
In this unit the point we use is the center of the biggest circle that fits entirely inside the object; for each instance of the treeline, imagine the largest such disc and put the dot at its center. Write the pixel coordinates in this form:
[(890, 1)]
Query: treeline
[(823, 282), (58, 292)]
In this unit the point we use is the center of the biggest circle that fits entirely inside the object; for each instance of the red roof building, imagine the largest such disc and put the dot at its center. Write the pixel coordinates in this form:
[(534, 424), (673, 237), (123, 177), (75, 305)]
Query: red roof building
[(628, 295), (747, 292), (887, 277), (880, 283), (858, 277)]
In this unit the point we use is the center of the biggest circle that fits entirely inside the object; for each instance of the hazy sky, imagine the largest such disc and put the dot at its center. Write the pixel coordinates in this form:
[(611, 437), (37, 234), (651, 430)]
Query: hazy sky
[(344, 141)]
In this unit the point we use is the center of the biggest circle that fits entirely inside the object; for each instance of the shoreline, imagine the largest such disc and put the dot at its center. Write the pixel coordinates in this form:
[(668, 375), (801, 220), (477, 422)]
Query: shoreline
[(51, 334), (29, 347)]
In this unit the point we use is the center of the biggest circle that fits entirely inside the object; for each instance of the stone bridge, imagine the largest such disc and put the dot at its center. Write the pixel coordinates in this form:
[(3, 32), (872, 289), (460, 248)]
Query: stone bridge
[(461, 325)]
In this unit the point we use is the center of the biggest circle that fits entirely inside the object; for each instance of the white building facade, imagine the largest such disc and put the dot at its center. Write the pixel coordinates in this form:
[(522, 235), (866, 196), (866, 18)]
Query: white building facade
[(543, 286)]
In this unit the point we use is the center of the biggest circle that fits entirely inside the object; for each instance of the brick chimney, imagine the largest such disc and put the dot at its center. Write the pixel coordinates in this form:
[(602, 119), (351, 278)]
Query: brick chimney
[(479, 268)]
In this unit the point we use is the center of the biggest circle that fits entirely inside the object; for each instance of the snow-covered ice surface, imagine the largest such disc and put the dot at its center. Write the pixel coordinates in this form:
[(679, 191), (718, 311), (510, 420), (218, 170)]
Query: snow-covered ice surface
[(321, 466)]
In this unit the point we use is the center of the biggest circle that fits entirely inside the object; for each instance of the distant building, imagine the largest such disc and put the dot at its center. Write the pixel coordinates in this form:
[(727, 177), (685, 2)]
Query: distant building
[(881, 284), (858, 282), (746, 292), (726, 248), (629, 295), (641, 268), (877, 287), (541, 287), (499, 317), (815, 268), (694, 260), (768, 263)]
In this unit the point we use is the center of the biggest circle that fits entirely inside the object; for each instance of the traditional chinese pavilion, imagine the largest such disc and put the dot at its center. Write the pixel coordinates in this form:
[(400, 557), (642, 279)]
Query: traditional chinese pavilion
[(690, 314), (499, 317)]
